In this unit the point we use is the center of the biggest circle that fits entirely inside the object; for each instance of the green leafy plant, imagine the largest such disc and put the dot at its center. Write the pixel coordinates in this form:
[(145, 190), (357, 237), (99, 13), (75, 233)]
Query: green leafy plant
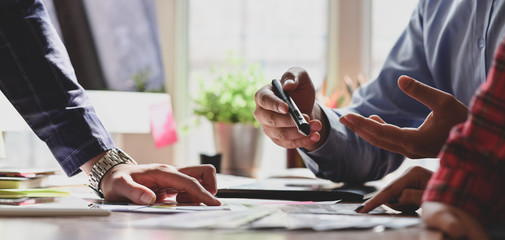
[(229, 96), (141, 79)]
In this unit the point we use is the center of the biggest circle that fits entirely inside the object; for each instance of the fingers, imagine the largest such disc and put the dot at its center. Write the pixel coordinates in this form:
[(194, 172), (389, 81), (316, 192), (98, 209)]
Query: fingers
[(292, 77), (446, 222), (266, 99), (424, 141), (442, 103), (385, 195), (436, 215), (408, 201), (138, 183), (452, 221), (272, 112), (377, 133), (290, 133), (168, 178), (297, 82), (127, 189), (282, 130), (289, 137), (377, 118), (429, 96), (205, 174), (163, 194), (374, 130), (300, 142), (414, 178), (273, 118)]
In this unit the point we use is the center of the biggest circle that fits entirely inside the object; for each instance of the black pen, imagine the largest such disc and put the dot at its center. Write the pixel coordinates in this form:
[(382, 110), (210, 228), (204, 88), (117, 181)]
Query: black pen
[(302, 125)]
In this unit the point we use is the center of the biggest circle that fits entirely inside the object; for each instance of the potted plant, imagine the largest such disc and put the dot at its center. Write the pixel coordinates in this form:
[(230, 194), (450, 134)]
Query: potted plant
[(227, 100)]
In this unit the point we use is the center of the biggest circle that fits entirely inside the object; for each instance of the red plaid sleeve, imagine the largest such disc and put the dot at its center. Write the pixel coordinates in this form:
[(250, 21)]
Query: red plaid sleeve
[(472, 163)]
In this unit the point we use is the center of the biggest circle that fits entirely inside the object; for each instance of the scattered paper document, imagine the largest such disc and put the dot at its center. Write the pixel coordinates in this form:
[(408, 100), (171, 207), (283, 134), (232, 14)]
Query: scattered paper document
[(209, 220), (160, 208), (278, 215), (324, 222), (324, 208)]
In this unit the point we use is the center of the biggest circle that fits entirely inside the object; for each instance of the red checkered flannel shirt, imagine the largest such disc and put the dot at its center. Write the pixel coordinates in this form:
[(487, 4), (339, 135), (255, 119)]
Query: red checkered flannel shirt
[(472, 163)]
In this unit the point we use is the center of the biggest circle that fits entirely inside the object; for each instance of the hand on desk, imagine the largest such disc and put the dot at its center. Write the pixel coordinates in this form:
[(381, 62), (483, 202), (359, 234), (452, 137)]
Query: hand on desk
[(144, 184), (403, 194), (424, 141), (407, 192), (272, 112), (454, 222)]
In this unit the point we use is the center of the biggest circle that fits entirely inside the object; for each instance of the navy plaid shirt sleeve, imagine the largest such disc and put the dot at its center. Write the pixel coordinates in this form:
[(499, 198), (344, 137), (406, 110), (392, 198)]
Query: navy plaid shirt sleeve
[(38, 79)]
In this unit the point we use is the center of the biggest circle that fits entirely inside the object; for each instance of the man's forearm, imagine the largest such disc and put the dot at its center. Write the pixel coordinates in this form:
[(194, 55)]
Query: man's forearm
[(86, 168)]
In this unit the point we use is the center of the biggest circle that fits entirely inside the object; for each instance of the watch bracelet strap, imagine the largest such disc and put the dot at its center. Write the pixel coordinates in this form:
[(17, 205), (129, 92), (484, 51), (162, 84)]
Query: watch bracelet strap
[(112, 158)]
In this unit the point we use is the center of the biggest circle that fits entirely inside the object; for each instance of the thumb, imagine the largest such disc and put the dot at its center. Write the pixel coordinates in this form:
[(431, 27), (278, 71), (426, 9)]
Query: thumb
[(427, 95), (377, 118), (136, 193), (291, 78)]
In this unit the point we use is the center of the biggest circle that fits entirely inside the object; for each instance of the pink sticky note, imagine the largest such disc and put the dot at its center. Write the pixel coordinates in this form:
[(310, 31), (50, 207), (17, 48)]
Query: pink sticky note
[(289, 203), (162, 124)]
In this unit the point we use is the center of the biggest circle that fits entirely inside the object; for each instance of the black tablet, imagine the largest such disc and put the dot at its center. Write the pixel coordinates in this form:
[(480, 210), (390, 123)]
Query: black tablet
[(298, 190)]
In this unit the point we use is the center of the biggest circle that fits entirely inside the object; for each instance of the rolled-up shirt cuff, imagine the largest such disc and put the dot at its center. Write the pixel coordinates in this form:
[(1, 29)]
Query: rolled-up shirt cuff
[(317, 159)]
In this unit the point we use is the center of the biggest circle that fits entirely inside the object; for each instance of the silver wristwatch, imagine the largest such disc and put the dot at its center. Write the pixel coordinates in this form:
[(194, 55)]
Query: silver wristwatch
[(112, 158)]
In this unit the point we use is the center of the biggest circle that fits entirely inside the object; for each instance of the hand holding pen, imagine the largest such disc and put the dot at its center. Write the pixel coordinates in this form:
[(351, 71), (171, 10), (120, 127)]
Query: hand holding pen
[(302, 124), (273, 112)]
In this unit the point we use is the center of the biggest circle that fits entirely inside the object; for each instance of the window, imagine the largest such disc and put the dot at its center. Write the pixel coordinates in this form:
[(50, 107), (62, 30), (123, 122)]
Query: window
[(277, 34), (125, 37)]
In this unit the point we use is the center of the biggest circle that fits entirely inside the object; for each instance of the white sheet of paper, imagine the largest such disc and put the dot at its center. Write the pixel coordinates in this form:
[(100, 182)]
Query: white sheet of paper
[(323, 222), (279, 214), (161, 208), (318, 208), (209, 219)]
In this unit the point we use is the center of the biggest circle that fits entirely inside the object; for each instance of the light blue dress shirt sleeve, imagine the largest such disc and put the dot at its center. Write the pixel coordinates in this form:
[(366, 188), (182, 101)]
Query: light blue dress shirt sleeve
[(448, 45), (336, 160)]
